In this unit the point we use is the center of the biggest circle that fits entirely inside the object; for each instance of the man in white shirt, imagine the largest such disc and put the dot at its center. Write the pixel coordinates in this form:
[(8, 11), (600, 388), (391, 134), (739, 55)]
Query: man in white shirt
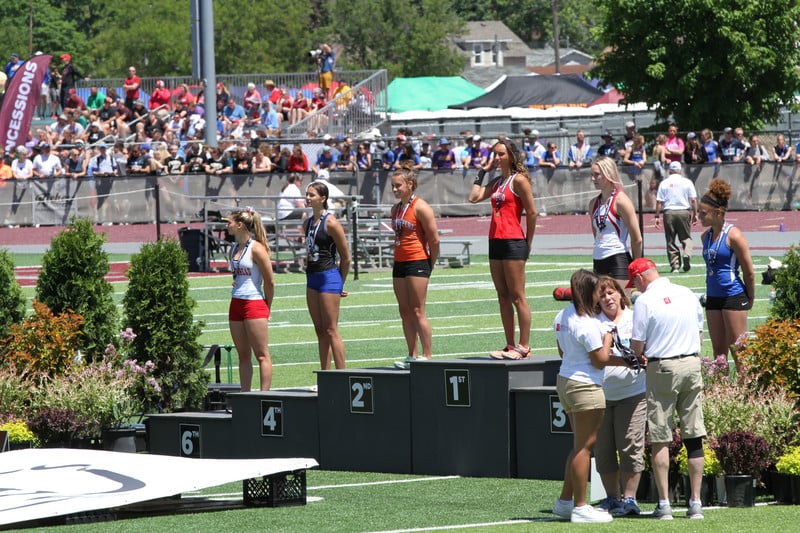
[(666, 336), (677, 199), (46, 165)]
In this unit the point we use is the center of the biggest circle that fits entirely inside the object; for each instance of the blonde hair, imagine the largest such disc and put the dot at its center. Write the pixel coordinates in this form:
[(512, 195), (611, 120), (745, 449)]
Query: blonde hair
[(608, 168), (407, 173), (252, 221)]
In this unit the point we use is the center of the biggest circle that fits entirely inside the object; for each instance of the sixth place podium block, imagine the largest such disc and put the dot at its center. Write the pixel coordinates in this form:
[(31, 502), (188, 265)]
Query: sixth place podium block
[(462, 416)]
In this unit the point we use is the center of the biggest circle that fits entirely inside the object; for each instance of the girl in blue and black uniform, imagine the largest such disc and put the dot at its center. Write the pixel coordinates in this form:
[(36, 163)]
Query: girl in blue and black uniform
[(324, 279), (729, 294)]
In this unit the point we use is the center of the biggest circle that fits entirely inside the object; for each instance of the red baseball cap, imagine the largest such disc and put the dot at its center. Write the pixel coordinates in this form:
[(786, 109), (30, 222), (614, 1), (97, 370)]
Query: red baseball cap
[(65, 57), (636, 267)]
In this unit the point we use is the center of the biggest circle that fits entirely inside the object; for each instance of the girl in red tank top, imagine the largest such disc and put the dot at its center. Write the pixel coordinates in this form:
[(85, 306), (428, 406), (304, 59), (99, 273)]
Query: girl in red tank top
[(511, 195)]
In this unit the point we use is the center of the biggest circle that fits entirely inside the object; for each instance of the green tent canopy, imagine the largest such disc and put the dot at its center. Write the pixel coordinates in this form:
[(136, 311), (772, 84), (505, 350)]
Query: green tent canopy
[(430, 93)]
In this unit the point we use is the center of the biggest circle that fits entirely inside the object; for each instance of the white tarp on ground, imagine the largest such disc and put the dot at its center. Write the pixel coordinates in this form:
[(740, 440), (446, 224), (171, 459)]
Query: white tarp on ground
[(44, 483)]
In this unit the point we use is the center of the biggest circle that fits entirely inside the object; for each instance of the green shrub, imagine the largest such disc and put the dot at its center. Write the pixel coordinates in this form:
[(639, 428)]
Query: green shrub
[(12, 301), (73, 277), (711, 466), (15, 393), (787, 287), (158, 308)]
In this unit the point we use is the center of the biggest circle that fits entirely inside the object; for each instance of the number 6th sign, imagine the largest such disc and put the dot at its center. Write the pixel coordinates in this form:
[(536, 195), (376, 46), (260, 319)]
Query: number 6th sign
[(456, 386)]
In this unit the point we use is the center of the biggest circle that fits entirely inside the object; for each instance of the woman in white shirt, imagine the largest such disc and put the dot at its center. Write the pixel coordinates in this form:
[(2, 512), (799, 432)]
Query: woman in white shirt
[(584, 347)]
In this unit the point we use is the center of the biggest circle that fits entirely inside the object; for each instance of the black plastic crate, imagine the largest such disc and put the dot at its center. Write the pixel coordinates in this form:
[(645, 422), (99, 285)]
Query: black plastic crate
[(277, 490)]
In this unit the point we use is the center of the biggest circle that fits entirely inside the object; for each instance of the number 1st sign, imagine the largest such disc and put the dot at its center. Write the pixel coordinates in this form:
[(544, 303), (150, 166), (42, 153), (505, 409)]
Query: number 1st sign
[(456, 386)]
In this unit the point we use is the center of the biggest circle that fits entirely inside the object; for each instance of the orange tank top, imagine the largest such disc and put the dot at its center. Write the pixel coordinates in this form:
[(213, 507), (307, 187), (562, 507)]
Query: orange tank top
[(409, 237)]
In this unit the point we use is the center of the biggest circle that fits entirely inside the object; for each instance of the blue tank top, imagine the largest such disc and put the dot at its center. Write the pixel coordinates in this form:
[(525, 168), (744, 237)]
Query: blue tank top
[(247, 280), (321, 246), (722, 267)]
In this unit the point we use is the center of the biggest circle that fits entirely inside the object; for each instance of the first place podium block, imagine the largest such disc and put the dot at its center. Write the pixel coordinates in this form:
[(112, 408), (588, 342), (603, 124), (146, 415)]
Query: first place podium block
[(365, 420), (462, 418)]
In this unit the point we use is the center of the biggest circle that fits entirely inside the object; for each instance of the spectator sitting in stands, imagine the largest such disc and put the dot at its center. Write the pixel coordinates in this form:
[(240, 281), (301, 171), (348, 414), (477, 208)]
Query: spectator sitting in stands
[(271, 93), (425, 155), (230, 113), (346, 161), (195, 159), (325, 160), (159, 97), (174, 163), (409, 156), (280, 158), (74, 127), (56, 129), (387, 157), (363, 157), (217, 162), (291, 203), (182, 96), (301, 107), (103, 164), (223, 95), (139, 110), (138, 163), (342, 96), (94, 133), (298, 162), (74, 102), (271, 119), (47, 165), (443, 159), (261, 162), (252, 101), (284, 104), (335, 194), (241, 161), (95, 100)]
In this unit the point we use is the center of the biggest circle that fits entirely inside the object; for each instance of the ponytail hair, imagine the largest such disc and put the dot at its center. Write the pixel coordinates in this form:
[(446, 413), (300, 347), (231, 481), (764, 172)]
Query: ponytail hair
[(252, 221)]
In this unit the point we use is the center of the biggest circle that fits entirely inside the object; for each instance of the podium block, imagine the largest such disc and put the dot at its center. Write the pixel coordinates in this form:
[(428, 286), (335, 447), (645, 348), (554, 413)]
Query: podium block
[(462, 418), (196, 435), (274, 424), (365, 420), (543, 436)]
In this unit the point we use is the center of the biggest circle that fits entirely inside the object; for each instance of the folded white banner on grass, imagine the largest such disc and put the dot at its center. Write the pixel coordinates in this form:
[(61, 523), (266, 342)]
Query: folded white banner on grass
[(44, 483)]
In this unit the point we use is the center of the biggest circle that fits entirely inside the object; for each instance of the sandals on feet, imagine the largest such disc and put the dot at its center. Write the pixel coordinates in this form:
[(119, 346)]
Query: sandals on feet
[(498, 354), (517, 352)]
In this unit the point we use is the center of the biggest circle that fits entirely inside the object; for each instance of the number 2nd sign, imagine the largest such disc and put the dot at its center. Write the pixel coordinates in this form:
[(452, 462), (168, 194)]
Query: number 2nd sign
[(456, 386), (361, 397)]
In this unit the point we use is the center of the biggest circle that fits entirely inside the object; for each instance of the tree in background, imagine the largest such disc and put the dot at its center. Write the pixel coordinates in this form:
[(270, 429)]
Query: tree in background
[(159, 310), (73, 278), (12, 301), (711, 63), (406, 38)]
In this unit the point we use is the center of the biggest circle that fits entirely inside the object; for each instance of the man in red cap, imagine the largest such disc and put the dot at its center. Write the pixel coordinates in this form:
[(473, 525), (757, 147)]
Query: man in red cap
[(667, 335), (69, 74)]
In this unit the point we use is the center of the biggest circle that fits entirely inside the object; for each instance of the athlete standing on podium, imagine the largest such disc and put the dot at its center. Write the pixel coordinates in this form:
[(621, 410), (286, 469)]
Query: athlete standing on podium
[(509, 247), (416, 247)]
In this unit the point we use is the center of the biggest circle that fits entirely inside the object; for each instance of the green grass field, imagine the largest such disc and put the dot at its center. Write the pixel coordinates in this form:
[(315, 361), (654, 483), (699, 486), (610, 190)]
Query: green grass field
[(463, 311)]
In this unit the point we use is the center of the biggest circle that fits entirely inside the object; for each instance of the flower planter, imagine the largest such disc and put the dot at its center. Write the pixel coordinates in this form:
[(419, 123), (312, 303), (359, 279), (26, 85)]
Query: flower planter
[(706, 489), (781, 487), (794, 483), (120, 440), (740, 490)]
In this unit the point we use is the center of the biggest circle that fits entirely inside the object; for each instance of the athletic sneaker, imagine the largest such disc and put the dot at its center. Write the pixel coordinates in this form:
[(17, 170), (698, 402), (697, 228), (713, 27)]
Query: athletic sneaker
[(405, 364), (588, 514), (628, 507), (674, 271), (563, 509), (695, 511), (663, 513), (609, 505), (687, 263)]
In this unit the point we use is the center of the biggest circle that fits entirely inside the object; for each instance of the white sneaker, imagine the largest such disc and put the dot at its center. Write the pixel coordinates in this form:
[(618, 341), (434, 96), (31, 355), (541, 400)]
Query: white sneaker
[(588, 514), (563, 509)]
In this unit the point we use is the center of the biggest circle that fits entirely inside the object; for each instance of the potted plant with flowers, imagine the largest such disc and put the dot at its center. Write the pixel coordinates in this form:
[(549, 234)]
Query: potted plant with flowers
[(108, 395), (19, 435), (743, 456)]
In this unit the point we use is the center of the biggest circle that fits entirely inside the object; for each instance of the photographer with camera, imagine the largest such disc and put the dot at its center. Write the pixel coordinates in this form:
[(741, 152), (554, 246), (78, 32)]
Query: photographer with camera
[(326, 60)]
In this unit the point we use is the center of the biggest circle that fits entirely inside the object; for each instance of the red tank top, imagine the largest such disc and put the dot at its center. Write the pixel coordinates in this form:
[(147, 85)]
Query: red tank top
[(506, 211), (409, 237)]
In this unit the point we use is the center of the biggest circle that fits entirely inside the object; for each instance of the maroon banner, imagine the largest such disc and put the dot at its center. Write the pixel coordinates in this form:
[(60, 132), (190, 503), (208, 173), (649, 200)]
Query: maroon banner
[(19, 105)]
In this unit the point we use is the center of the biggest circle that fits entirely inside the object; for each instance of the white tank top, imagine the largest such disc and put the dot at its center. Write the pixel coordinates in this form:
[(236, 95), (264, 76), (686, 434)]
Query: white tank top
[(247, 280), (611, 233)]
